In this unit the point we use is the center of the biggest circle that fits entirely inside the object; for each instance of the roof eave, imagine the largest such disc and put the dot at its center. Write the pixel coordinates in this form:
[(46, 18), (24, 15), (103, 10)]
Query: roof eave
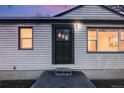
[(57, 18)]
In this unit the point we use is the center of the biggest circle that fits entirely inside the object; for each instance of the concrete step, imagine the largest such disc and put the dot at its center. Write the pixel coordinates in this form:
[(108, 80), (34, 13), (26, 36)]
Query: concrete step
[(63, 72)]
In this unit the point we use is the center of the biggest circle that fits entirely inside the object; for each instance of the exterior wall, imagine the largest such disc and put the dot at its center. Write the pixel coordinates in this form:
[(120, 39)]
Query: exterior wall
[(40, 58), (36, 59), (104, 74), (86, 60), (31, 63), (20, 74), (35, 74), (91, 12)]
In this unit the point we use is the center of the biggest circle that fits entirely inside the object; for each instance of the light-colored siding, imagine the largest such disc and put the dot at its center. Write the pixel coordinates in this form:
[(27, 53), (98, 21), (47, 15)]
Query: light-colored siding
[(38, 58), (84, 60), (95, 60), (91, 12)]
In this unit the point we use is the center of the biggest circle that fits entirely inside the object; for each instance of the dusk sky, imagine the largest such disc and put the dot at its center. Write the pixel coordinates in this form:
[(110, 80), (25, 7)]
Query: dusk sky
[(32, 10)]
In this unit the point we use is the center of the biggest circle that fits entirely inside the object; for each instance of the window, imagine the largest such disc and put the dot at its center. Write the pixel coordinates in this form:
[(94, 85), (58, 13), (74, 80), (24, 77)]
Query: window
[(25, 38), (105, 40), (62, 34), (92, 40), (122, 41)]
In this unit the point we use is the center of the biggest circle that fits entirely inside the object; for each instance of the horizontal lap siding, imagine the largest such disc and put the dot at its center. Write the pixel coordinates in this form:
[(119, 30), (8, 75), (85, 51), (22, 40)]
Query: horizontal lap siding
[(84, 60), (91, 12), (36, 59), (40, 58)]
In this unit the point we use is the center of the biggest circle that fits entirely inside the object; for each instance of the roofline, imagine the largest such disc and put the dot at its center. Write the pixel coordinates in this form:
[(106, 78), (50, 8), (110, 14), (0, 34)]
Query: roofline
[(112, 10), (60, 14), (70, 21), (57, 19), (2, 18)]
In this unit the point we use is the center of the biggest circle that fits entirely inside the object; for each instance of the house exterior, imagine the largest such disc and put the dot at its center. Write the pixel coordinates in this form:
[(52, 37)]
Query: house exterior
[(86, 38)]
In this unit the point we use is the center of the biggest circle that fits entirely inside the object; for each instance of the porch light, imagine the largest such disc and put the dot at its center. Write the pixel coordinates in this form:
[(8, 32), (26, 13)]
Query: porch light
[(77, 26)]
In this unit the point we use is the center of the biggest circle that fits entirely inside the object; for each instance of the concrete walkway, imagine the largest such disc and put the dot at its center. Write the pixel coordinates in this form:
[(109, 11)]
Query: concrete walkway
[(49, 80)]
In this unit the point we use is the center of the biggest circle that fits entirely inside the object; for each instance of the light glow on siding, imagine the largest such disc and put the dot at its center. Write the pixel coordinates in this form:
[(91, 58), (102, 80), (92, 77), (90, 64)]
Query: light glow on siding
[(77, 25)]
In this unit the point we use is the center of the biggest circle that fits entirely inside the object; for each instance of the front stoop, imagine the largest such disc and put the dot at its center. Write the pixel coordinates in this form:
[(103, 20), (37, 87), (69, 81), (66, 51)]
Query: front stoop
[(49, 80)]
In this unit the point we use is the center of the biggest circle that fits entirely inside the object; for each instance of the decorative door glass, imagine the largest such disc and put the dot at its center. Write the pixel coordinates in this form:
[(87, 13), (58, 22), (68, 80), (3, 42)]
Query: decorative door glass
[(62, 34)]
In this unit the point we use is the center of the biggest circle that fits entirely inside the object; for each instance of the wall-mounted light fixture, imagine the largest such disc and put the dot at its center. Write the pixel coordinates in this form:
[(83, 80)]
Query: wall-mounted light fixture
[(77, 25)]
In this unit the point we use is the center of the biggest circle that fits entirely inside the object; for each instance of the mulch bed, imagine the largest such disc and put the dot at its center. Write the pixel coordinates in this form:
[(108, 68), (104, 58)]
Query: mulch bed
[(16, 83), (118, 83)]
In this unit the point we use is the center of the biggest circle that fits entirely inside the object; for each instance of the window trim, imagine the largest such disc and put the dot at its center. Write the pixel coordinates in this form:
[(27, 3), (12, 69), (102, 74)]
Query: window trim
[(108, 52), (19, 38)]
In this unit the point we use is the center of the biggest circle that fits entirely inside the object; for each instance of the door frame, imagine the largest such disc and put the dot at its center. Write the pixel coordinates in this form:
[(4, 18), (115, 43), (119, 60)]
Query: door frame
[(53, 41)]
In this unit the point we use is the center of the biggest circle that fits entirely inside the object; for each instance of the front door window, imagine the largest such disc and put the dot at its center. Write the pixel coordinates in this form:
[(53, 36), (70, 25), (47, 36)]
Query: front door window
[(62, 34)]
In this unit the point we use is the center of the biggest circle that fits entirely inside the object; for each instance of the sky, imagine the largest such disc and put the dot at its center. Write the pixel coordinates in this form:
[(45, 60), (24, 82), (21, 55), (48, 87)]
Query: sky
[(32, 10)]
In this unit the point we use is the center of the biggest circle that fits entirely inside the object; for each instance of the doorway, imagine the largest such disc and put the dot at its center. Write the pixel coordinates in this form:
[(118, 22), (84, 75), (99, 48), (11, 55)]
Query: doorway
[(63, 44)]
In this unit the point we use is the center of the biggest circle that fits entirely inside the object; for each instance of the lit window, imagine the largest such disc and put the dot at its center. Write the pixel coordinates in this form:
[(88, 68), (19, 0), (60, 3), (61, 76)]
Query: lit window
[(92, 40), (107, 40), (25, 38), (122, 41)]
